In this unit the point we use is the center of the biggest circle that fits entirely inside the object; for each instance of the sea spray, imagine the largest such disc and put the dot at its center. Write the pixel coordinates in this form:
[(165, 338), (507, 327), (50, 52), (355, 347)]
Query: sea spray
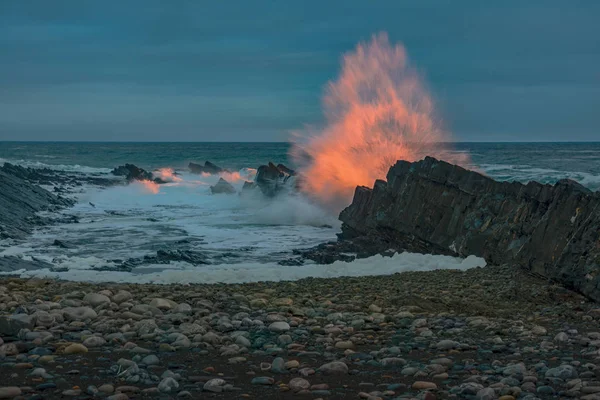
[(377, 112)]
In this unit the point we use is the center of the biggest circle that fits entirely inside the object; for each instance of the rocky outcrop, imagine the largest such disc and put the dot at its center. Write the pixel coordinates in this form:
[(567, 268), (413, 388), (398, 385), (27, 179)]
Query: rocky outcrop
[(272, 179), (551, 230), (222, 187), (20, 202), (207, 168), (134, 173)]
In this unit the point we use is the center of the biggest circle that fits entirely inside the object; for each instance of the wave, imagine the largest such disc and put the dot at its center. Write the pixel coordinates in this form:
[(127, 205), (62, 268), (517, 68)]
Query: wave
[(84, 169)]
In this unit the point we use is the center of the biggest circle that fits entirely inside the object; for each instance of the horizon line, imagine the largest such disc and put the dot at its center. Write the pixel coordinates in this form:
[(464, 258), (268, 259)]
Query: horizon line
[(274, 142)]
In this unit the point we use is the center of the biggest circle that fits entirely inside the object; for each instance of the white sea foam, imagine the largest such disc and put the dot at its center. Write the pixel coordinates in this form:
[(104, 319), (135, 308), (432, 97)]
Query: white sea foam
[(256, 272), (84, 169)]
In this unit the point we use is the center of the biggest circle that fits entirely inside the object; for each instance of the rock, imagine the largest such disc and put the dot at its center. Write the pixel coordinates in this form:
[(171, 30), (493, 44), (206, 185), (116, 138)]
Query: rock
[(134, 173), (430, 206), (447, 345), (20, 202), (563, 372), (215, 385), (79, 314), (539, 330), (75, 348), (168, 385), (263, 380), (222, 186), (151, 360), (486, 394), (122, 296), (298, 384), (271, 179), (11, 325), (94, 341), (421, 385), (344, 344), (207, 168), (334, 368), (95, 299), (163, 304), (106, 388), (8, 392), (279, 326)]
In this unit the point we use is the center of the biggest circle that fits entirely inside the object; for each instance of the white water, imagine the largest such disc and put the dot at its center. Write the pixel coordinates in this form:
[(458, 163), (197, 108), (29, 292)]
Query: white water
[(243, 237)]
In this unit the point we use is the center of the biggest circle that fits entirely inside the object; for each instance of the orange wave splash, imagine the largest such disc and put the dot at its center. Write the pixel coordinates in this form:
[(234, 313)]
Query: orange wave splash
[(377, 112), (150, 186), (168, 175)]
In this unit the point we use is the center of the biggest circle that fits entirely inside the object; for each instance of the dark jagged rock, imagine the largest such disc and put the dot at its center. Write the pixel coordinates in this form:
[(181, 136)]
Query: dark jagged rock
[(272, 179), (134, 173), (20, 201), (50, 177), (207, 168), (248, 186), (222, 186), (551, 230)]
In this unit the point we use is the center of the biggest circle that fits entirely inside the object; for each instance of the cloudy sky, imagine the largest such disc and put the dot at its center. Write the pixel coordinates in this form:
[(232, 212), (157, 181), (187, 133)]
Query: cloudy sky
[(254, 70)]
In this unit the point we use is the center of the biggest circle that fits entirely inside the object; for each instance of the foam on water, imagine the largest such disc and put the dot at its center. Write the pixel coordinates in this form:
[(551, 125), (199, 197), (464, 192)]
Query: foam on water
[(256, 272)]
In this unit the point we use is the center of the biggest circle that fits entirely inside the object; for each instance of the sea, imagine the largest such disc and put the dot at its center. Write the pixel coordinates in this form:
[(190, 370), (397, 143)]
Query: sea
[(243, 238)]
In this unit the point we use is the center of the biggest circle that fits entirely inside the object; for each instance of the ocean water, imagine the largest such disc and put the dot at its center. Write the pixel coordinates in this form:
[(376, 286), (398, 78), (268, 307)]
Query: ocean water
[(242, 237)]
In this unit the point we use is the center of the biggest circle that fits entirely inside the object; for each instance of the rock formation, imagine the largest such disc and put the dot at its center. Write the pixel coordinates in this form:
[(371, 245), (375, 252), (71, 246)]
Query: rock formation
[(222, 186), (551, 230), (207, 168), (134, 173), (20, 201), (272, 179)]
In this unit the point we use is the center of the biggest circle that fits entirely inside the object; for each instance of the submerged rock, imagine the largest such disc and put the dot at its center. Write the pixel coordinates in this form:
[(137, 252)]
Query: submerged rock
[(551, 230), (222, 186)]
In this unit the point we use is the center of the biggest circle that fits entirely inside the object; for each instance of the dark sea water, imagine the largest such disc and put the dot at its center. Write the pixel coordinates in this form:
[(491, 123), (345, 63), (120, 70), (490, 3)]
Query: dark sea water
[(242, 237), (545, 162)]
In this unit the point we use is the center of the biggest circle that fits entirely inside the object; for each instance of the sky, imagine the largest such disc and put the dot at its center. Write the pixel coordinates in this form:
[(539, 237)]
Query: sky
[(201, 70)]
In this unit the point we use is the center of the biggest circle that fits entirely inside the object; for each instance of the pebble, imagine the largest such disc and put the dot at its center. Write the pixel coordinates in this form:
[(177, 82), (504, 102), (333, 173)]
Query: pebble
[(75, 348)]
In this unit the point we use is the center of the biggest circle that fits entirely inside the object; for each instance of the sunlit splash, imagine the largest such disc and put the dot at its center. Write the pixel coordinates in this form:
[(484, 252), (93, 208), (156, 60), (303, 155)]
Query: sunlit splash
[(168, 175), (377, 112), (150, 186)]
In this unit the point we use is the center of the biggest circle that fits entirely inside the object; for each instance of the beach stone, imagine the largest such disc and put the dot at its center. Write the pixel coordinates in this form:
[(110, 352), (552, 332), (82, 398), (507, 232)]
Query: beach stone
[(215, 385), (539, 330), (279, 326), (563, 372), (106, 388), (344, 345), (393, 362), (11, 325), (122, 296), (168, 385), (163, 304), (263, 380), (96, 299), (8, 392), (422, 385), (298, 384), (118, 396), (486, 394), (334, 368), (447, 345), (94, 341), (75, 348), (150, 360), (79, 313)]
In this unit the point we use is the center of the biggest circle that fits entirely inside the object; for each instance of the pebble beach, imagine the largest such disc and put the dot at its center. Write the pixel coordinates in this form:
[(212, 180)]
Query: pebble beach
[(483, 333)]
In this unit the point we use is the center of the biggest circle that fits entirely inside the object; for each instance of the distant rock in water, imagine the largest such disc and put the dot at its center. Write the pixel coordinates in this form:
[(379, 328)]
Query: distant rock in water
[(272, 179), (134, 173), (551, 230), (222, 186), (207, 168), (20, 201)]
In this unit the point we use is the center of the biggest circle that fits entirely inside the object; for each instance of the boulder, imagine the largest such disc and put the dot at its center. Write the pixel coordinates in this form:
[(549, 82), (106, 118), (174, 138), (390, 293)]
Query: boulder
[(207, 168), (551, 230), (222, 186)]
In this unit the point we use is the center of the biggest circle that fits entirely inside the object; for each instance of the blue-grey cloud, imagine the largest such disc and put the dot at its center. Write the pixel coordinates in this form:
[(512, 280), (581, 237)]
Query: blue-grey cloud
[(191, 70)]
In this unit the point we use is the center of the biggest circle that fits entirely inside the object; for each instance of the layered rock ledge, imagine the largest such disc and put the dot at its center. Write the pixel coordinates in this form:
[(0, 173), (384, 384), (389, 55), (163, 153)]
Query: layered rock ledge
[(551, 230)]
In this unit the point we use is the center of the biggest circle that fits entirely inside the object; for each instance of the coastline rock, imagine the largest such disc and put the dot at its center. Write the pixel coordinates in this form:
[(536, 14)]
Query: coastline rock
[(207, 168), (20, 201), (134, 173), (272, 179), (222, 186), (551, 230)]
